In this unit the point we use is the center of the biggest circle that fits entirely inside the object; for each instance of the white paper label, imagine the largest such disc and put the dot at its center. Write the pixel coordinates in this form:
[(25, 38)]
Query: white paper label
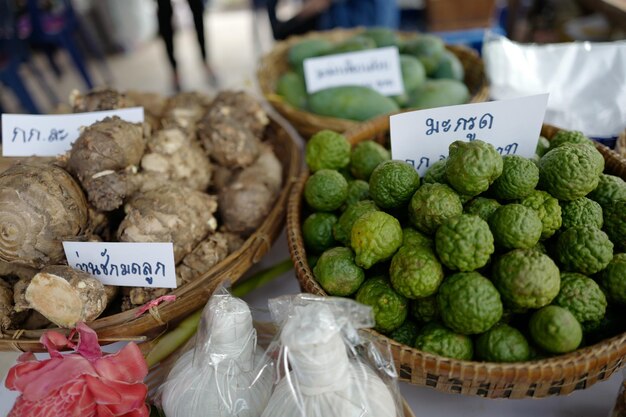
[(52, 134), (125, 264), (378, 69), (513, 126)]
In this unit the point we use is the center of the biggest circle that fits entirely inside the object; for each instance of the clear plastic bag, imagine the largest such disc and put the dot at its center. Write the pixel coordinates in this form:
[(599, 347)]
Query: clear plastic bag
[(586, 81), (325, 366), (220, 377)]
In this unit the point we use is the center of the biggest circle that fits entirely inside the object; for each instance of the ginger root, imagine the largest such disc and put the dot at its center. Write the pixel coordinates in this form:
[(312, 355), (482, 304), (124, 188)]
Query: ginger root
[(169, 214), (65, 295), (245, 108), (6, 306), (40, 206), (183, 111), (99, 99), (207, 254), (102, 158)]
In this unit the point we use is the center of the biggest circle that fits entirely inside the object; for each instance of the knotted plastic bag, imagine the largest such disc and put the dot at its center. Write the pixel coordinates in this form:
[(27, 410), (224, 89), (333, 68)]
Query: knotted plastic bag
[(328, 368), (219, 377)]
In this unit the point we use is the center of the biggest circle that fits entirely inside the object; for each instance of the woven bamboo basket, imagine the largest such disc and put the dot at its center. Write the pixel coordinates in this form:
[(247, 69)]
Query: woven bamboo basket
[(128, 325), (540, 378), (159, 372), (274, 64), (620, 146)]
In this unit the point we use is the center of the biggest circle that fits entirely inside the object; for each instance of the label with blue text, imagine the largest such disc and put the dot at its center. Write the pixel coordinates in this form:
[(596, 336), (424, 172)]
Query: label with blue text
[(378, 69), (513, 126), (124, 263), (52, 134)]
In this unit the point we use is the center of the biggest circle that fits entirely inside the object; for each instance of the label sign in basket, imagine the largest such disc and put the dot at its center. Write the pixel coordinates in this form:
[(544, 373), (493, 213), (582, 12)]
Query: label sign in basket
[(378, 69), (513, 126), (52, 134), (125, 264)]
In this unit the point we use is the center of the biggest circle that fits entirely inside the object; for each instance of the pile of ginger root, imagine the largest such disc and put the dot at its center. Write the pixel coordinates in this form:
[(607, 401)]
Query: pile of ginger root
[(197, 173)]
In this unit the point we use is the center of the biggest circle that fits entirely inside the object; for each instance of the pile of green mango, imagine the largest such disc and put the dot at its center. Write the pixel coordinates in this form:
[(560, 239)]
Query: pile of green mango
[(432, 76)]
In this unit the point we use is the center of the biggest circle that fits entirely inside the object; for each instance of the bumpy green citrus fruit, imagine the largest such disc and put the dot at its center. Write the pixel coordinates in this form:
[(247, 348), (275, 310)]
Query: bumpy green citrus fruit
[(326, 190), (515, 226), (375, 237), (472, 166), (614, 215), (411, 237), (548, 209), (406, 333), (482, 207), (390, 308), (610, 188), (555, 329), (337, 273), (580, 212), (431, 205), (365, 157), (436, 173), (569, 136), (342, 230), (583, 297), (415, 272), (526, 278), (439, 340), (464, 242), (502, 343), (317, 231), (543, 145), (357, 190), (613, 278), (425, 310), (327, 150), (469, 303), (584, 249), (392, 184), (570, 171), (519, 177)]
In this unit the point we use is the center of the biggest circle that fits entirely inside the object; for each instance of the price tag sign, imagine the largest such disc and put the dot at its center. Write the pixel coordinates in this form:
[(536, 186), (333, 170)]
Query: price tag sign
[(512, 126), (125, 264), (378, 69), (52, 134)]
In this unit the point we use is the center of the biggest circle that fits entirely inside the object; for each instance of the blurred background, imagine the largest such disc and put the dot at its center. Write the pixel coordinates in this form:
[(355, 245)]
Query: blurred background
[(50, 47)]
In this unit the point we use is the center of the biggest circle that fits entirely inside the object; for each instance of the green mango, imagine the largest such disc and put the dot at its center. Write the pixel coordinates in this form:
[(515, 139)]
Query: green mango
[(291, 86), (439, 93), (427, 48), (353, 44), (308, 48), (413, 72), (351, 102), (382, 37), (449, 67)]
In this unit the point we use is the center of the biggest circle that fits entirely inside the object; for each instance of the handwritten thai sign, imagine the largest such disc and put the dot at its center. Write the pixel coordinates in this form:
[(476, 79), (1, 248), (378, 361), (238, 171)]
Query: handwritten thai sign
[(125, 264), (52, 134), (378, 69), (513, 126)]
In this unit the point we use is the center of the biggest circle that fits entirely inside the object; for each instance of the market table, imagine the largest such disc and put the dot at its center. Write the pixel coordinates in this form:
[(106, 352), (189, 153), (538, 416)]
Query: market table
[(595, 401)]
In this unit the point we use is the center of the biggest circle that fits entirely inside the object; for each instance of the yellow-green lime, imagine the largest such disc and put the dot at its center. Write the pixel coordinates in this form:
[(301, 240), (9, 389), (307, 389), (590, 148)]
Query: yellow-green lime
[(502, 343), (342, 230), (555, 329), (337, 273), (375, 237), (327, 150)]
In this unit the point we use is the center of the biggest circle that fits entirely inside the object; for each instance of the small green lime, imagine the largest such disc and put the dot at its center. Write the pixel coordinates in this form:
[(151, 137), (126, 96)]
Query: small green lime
[(464, 242), (317, 231), (482, 207), (436, 173), (415, 272), (519, 177), (392, 184), (406, 333), (326, 190), (411, 237), (342, 230), (502, 343), (583, 297), (425, 310), (610, 188), (584, 249), (327, 150), (515, 226), (439, 340), (337, 273), (469, 303), (390, 308), (543, 145), (548, 209), (431, 205), (581, 212), (357, 190), (365, 157), (555, 329), (375, 237), (472, 166), (613, 278)]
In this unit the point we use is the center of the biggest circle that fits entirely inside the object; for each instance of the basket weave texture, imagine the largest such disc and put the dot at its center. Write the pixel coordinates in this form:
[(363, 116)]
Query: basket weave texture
[(127, 325), (275, 64), (558, 375)]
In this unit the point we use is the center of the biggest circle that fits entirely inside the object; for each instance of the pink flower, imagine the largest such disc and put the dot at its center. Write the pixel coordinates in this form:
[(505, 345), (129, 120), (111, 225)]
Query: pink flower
[(81, 384)]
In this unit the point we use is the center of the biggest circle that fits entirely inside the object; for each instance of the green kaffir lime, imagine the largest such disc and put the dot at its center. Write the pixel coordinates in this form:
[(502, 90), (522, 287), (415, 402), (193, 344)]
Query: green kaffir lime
[(610, 188), (317, 231), (425, 310), (613, 278), (502, 343), (365, 157), (548, 209), (337, 273), (583, 297), (431, 205), (436, 173), (543, 145), (342, 230), (464, 242), (581, 212), (327, 150), (584, 249), (519, 177), (406, 333), (515, 226), (482, 207), (411, 237), (472, 166), (375, 237), (326, 190), (526, 278), (415, 272), (439, 340), (555, 329), (392, 184), (614, 215), (390, 308), (357, 190), (569, 136)]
